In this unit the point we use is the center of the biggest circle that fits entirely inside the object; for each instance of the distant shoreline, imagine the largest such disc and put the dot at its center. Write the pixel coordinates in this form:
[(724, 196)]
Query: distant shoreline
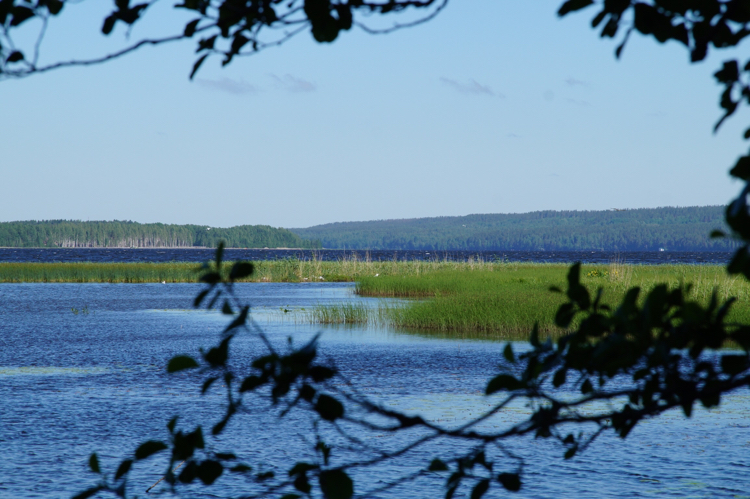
[(151, 248)]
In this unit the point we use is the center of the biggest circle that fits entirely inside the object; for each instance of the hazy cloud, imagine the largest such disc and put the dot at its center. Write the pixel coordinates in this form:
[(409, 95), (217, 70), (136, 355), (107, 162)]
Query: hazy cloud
[(292, 83), (513, 136), (549, 95), (472, 87), (228, 85), (573, 82)]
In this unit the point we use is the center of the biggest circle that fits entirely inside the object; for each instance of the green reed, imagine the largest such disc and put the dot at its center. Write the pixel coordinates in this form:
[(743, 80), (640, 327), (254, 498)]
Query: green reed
[(510, 299), (87, 272), (349, 269)]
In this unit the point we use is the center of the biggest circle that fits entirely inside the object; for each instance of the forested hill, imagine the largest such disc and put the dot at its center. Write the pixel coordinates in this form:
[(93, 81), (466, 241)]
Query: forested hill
[(75, 234), (674, 229)]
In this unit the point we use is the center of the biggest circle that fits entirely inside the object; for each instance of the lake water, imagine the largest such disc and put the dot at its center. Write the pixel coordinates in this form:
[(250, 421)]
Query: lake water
[(201, 255), (72, 384)]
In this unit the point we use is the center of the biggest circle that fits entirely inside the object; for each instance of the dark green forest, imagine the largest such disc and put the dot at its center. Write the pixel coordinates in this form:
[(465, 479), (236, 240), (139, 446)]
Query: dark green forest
[(648, 229), (120, 234)]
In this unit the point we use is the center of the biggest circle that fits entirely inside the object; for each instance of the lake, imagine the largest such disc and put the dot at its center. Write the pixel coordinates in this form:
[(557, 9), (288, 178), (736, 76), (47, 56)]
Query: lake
[(202, 254), (95, 381)]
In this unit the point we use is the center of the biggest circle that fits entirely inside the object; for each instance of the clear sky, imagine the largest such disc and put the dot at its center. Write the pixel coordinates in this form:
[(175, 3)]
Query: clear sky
[(495, 106)]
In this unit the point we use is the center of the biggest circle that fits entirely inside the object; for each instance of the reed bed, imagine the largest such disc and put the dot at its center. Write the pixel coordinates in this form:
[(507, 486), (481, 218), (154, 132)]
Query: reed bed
[(478, 297), (348, 269), (88, 272), (347, 313), (511, 299)]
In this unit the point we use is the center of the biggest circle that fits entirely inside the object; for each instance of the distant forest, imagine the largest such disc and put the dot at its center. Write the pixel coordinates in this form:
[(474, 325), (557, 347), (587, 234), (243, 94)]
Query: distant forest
[(648, 229), (117, 234)]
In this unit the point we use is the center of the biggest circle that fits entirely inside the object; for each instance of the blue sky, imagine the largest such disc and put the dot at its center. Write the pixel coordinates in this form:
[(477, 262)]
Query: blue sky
[(495, 106)]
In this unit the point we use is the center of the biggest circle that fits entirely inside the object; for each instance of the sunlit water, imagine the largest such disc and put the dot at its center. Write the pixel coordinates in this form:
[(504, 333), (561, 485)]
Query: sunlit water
[(95, 381), (204, 254)]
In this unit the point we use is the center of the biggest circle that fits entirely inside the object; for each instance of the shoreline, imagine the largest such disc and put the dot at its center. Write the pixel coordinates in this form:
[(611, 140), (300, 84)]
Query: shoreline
[(154, 247), (299, 271)]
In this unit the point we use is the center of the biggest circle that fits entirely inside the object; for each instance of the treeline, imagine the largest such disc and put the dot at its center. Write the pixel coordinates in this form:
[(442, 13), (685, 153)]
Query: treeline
[(648, 229), (119, 234)]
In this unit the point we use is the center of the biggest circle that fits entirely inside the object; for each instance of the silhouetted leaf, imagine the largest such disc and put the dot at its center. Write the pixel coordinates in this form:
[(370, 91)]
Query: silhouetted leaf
[(197, 65), (54, 6), (217, 356), (307, 392), (124, 468), (211, 278), (502, 382), (94, 463), (207, 384), (329, 408), (508, 354), (189, 472), (15, 56), (480, 488), (186, 443), (109, 23), (511, 481), (559, 379), (181, 362), (226, 309), (200, 297), (321, 373), (240, 320), (586, 387), (209, 471), (250, 383), (437, 465), (573, 5), (240, 270), (190, 27), (729, 73), (149, 448), (734, 364), (336, 484), (21, 15)]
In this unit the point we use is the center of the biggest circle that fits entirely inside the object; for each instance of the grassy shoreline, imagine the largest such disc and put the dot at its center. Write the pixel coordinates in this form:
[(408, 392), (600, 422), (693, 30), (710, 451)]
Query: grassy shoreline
[(507, 302), (288, 270), (490, 299)]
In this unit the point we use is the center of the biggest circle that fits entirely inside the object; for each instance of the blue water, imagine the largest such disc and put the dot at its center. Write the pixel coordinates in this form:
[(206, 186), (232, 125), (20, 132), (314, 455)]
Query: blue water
[(201, 255), (72, 384)]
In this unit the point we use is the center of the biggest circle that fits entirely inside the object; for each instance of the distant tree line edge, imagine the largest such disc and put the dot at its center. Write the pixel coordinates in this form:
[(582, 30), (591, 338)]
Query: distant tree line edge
[(646, 229), (125, 234)]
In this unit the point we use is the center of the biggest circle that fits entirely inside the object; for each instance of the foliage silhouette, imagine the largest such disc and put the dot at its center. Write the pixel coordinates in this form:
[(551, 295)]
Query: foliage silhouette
[(664, 345)]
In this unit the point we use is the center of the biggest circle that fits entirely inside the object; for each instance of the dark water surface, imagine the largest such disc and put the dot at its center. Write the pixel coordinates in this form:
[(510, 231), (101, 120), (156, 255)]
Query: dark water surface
[(201, 255), (72, 384)]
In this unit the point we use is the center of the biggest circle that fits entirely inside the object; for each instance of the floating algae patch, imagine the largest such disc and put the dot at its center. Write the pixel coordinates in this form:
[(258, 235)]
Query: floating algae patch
[(49, 371)]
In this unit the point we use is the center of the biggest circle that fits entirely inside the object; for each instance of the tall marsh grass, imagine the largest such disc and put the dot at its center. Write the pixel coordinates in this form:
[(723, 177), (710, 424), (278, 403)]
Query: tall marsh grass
[(289, 270), (511, 299), (85, 272), (478, 297)]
